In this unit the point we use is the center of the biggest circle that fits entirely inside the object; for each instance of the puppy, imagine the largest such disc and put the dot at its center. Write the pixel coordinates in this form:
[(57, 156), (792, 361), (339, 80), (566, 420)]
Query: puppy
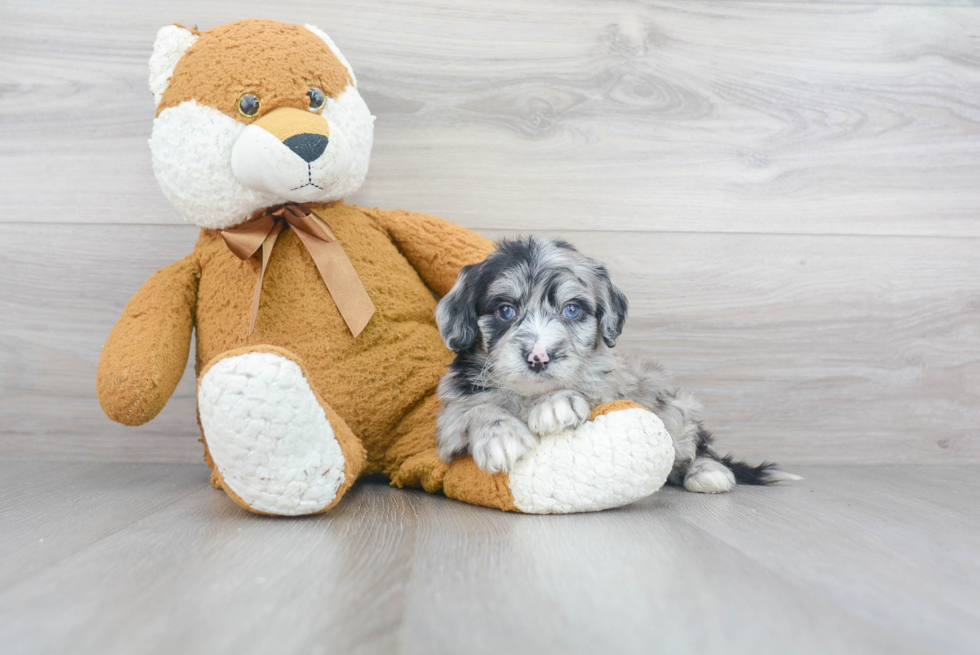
[(533, 327)]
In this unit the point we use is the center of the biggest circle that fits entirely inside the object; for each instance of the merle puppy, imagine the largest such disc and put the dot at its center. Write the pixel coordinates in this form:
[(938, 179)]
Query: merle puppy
[(534, 327)]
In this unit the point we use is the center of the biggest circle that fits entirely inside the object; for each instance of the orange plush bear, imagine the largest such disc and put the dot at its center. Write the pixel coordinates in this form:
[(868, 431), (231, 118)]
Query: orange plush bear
[(317, 351)]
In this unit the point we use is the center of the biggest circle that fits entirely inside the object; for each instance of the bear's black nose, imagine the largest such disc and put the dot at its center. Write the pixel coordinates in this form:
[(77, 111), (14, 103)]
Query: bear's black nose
[(307, 146)]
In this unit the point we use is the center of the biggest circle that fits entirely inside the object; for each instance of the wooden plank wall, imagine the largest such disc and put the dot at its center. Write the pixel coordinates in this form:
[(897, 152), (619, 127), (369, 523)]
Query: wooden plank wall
[(787, 191)]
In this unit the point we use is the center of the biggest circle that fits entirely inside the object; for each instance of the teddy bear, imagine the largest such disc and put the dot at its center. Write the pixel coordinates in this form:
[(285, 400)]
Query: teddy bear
[(317, 351)]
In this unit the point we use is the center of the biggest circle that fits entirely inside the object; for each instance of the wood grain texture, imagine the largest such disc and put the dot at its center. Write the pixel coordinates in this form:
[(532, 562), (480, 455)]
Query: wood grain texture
[(64, 288), (686, 116), (56, 521), (805, 349), (887, 513), (853, 559)]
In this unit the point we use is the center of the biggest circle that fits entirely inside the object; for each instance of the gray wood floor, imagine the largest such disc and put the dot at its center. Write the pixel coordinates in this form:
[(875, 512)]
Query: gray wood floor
[(126, 558), (787, 192)]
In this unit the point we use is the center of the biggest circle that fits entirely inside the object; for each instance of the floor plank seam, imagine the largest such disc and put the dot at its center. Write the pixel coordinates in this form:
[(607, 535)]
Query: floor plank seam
[(15, 581)]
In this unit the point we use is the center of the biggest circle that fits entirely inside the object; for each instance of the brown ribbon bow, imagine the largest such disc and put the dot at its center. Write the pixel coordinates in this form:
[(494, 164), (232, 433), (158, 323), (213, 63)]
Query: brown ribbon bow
[(338, 273)]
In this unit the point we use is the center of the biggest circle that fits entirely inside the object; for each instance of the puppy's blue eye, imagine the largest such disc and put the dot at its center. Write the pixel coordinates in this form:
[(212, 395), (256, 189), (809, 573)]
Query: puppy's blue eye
[(505, 312), (570, 311)]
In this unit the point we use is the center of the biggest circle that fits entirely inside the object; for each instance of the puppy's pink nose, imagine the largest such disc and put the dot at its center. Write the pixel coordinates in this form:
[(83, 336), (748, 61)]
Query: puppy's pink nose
[(538, 359)]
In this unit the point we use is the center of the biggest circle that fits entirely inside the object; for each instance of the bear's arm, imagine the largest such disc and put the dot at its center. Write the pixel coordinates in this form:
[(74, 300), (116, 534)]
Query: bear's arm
[(146, 352), (435, 247)]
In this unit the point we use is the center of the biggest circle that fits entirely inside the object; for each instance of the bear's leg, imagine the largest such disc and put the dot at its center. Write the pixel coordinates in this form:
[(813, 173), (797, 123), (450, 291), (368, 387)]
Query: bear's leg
[(411, 461), (622, 454), (273, 444)]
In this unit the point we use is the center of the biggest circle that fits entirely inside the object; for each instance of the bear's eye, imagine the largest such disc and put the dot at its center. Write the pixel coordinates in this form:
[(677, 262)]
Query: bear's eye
[(316, 98), (248, 105)]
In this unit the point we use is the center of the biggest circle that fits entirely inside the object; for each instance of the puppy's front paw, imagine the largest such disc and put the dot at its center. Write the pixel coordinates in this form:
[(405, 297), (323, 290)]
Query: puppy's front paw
[(557, 411), (497, 445)]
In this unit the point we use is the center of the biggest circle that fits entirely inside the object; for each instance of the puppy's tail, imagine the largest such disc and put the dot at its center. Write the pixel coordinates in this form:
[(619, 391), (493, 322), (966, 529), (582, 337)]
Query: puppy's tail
[(765, 473)]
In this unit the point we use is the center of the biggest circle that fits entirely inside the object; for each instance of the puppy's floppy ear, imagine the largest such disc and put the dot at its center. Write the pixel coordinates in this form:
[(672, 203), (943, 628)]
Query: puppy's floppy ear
[(456, 312), (611, 305)]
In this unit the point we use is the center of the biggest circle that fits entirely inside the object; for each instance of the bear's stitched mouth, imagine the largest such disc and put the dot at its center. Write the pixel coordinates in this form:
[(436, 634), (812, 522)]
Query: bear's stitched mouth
[(309, 180)]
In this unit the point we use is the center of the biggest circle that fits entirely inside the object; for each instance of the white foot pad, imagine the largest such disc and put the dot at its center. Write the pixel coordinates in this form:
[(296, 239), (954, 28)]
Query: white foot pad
[(612, 461), (268, 434)]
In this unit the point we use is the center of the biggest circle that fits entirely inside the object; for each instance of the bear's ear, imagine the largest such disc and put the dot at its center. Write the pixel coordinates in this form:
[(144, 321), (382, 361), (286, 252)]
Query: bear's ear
[(336, 51), (171, 44)]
